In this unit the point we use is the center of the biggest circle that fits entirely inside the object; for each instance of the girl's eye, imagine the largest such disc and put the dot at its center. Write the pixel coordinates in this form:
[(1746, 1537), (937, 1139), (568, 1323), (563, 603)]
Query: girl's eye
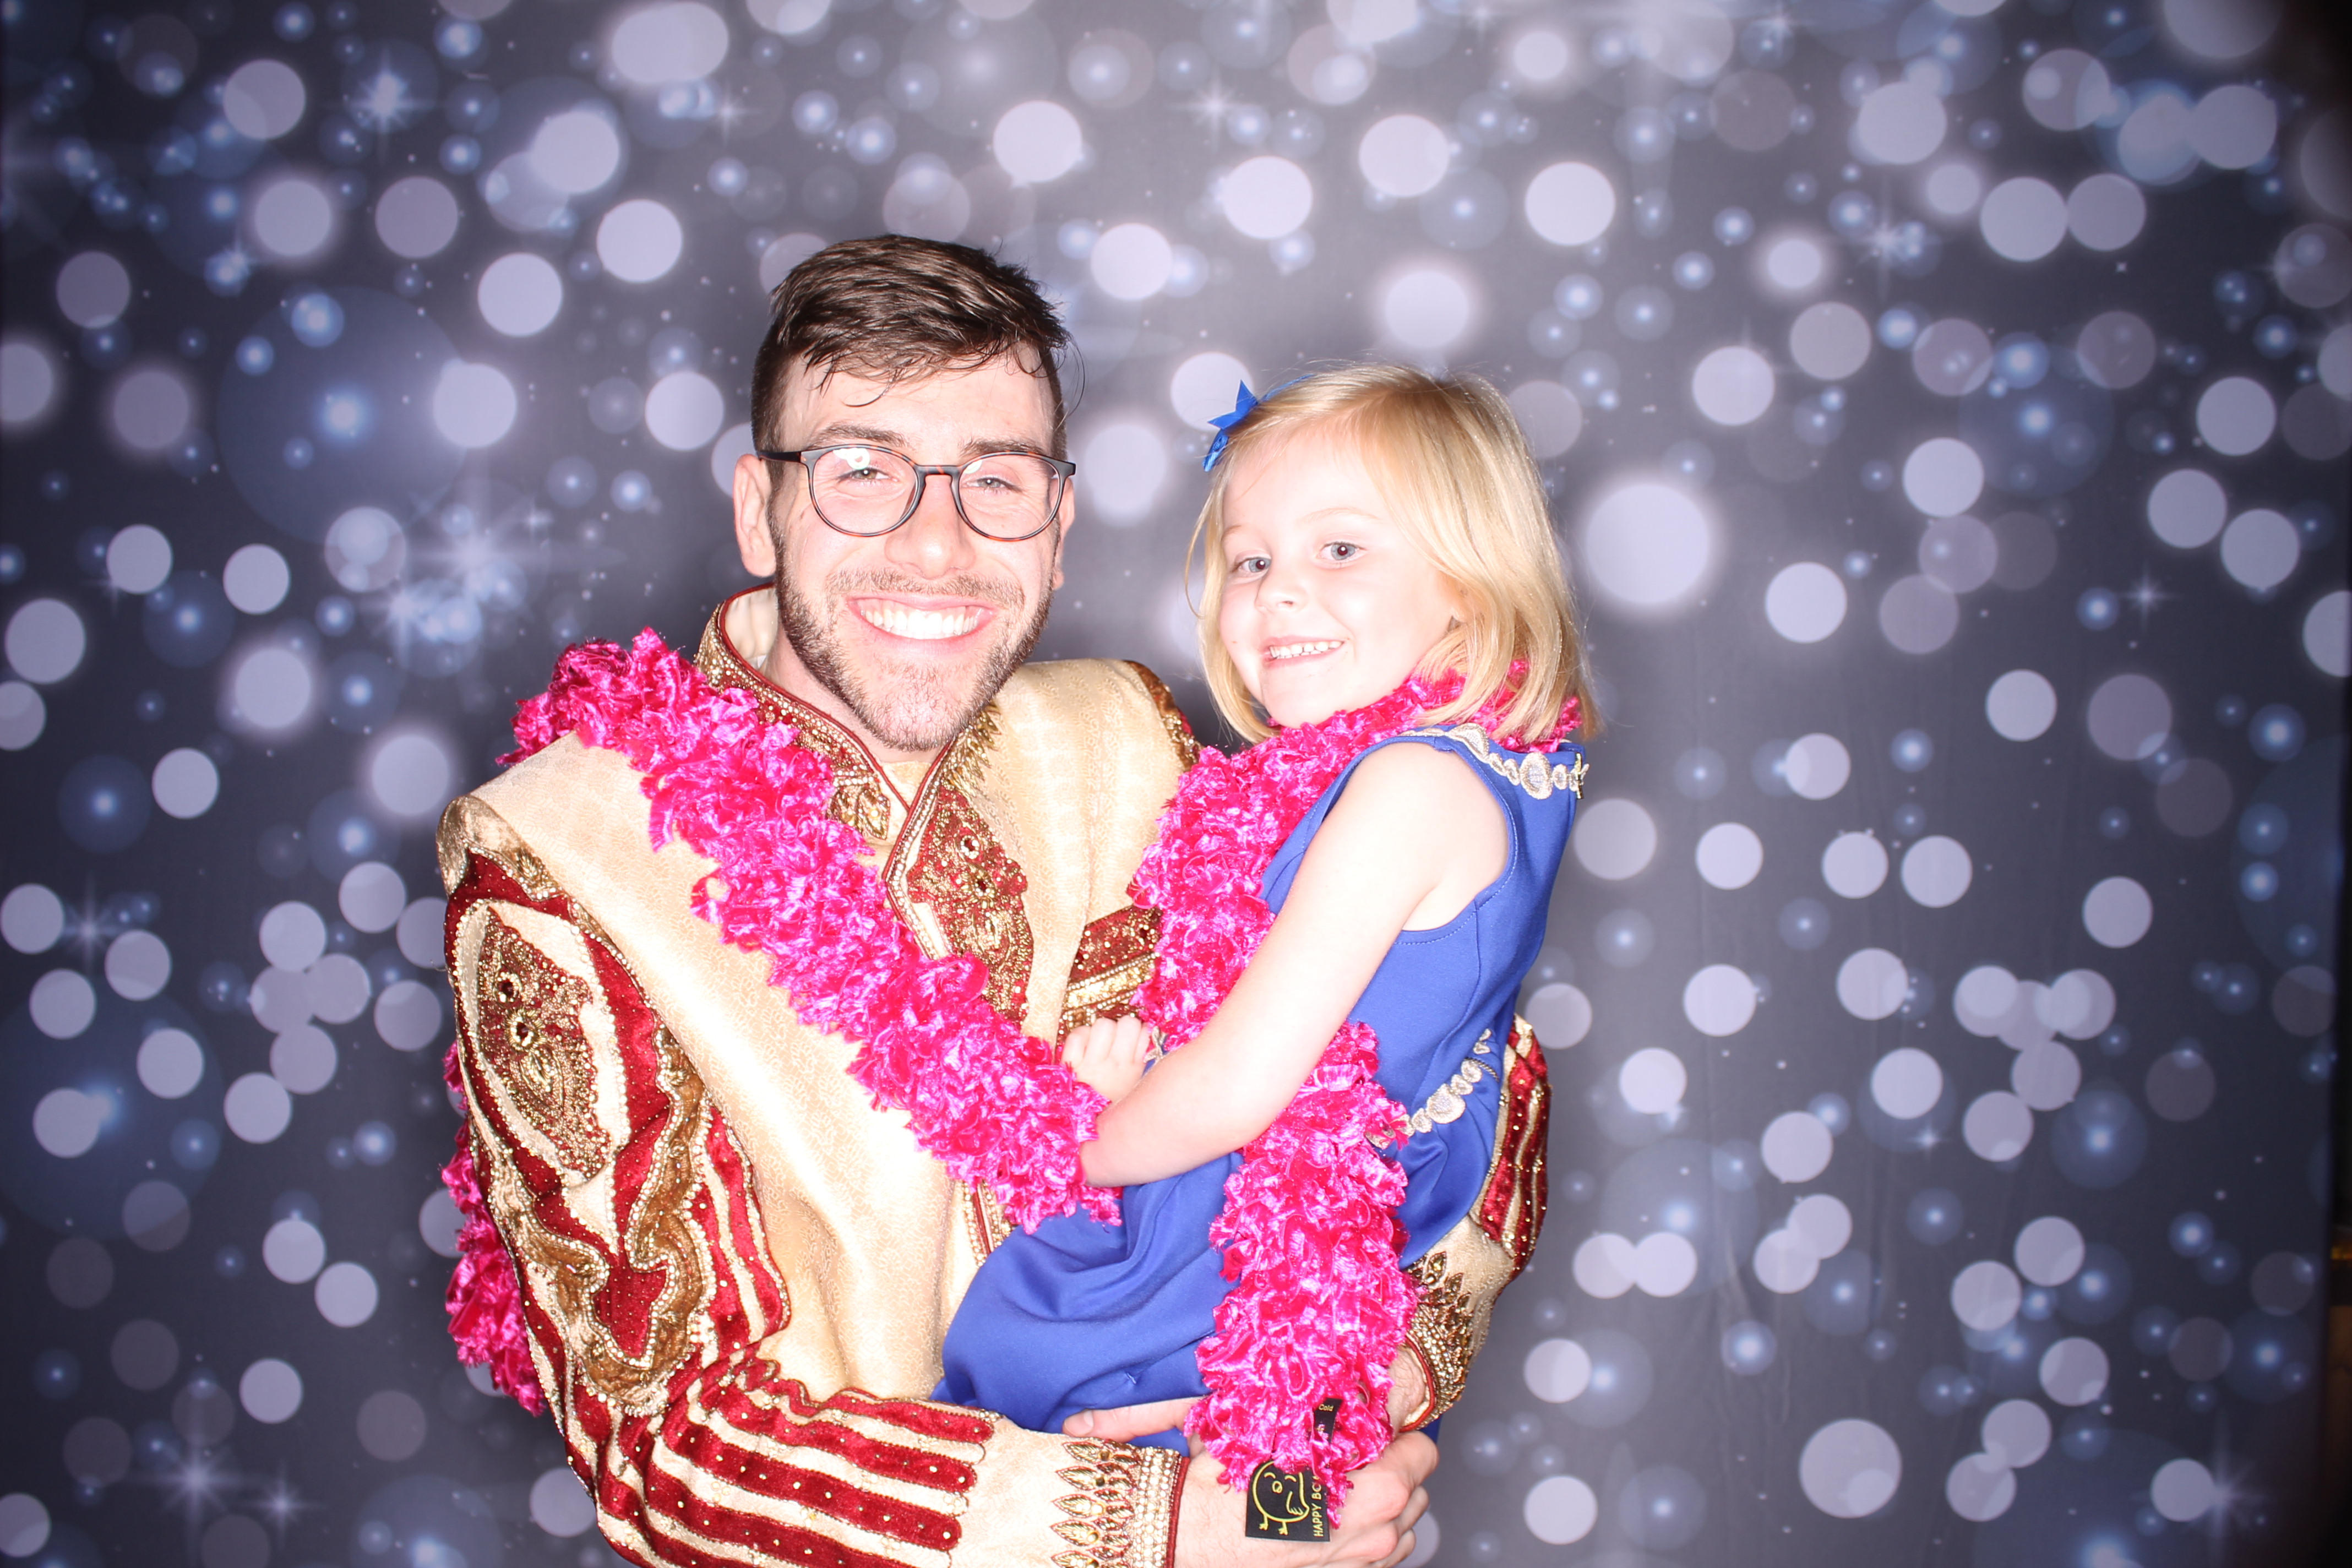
[(1340, 550), (1248, 566)]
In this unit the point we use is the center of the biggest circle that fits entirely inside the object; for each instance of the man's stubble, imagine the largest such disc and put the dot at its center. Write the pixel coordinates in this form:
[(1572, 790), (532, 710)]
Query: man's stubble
[(909, 708)]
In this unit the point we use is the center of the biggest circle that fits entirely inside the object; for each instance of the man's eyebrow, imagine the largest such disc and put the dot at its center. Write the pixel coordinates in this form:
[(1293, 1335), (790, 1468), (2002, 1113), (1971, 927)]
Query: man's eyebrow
[(875, 435), (871, 435), (979, 445)]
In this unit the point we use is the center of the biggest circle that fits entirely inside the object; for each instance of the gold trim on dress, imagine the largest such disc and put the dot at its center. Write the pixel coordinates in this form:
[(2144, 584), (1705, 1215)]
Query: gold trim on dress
[(1534, 771), (1449, 1099)]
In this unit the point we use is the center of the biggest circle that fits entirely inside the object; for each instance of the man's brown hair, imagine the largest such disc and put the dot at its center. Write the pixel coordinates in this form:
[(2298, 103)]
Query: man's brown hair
[(893, 306)]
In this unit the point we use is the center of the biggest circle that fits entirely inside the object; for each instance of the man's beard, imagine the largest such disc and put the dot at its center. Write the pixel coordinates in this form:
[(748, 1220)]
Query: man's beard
[(912, 707)]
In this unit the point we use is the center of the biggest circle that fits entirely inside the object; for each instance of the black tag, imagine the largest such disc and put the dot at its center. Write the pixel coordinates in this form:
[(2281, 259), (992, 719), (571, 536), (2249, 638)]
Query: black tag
[(1286, 1507)]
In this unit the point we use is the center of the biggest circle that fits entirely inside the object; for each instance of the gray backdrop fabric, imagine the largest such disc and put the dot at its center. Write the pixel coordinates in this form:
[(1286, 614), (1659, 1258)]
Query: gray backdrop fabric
[(1945, 407)]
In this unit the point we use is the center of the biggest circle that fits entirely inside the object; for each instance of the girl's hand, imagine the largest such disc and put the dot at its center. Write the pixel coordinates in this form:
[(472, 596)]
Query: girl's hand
[(1129, 1422), (1108, 1054)]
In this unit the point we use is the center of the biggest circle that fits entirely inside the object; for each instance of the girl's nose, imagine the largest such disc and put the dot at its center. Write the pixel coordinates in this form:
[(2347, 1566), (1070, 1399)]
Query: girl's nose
[(1279, 588)]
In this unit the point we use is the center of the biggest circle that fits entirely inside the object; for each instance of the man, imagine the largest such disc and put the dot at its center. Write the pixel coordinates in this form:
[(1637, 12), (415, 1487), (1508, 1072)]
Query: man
[(734, 1271)]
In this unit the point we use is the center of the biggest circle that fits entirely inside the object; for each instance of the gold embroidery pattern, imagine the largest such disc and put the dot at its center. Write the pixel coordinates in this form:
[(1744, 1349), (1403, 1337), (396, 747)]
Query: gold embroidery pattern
[(1447, 1329), (1113, 962), (861, 801), (1512, 1211), (1171, 718), (1122, 1506), (661, 1238), (984, 1218), (963, 876), (1534, 772), (1449, 1099), (530, 1037)]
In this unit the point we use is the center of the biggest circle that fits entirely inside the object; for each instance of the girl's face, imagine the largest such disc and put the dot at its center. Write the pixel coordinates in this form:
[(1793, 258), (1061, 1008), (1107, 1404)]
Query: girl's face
[(1328, 604)]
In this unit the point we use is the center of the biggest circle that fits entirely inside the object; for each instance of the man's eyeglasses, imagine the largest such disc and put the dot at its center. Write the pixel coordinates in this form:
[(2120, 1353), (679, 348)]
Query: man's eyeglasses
[(870, 490)]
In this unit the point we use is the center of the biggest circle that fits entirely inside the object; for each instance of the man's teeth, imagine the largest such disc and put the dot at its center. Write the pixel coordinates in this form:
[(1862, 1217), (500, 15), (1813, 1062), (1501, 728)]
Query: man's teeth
[(923, 626), (1300, 649)]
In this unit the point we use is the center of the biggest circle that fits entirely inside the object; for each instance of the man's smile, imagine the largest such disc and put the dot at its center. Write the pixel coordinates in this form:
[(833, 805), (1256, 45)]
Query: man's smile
[(919, 623)]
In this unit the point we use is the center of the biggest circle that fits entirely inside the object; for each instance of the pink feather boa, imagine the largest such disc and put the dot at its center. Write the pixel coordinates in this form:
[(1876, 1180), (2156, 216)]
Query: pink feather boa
[(1309, 1232), (1319, 1306), (485, 1300), (997, 1107)]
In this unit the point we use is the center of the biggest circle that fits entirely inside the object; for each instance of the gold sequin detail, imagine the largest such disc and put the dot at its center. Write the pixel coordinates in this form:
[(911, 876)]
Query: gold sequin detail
[(569, 1276), (1117, 1513), (1537, 773), (527, 1028), (1114, 960), (1447, 1328), (951, 864), (1449, 1099)]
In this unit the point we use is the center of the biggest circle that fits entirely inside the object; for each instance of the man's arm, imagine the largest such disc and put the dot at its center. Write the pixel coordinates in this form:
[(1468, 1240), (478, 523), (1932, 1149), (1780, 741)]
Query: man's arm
[(650, 1298), (1461, 1275)]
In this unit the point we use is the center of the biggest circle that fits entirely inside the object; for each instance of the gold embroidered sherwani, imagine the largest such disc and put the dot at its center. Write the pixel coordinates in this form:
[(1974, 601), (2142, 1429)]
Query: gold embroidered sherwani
[(736, 1272)]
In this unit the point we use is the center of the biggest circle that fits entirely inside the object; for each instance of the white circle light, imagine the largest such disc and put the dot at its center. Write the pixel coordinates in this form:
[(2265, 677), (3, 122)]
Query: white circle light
[(1733, 387), (1266, 197), (1570, 204), (1427, 309), (520, 294), (474, 405), (1648, 547), (1038, 142), (1403, 155), (639, 240)]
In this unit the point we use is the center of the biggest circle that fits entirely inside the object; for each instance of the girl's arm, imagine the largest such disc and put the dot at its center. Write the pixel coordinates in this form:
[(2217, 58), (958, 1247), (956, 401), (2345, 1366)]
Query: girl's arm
[(1413, 839)]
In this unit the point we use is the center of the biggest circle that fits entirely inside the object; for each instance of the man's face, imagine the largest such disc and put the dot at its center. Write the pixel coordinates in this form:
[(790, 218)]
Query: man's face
[(910, 632)]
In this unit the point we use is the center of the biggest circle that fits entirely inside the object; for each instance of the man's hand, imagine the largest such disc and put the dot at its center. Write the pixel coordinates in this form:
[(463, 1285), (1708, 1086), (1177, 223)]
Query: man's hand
[(1374, 1529), (1108, 1054)]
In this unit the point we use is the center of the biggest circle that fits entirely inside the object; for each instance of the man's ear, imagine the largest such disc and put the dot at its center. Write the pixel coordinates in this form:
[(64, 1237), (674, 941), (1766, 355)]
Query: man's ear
[(754, 539)]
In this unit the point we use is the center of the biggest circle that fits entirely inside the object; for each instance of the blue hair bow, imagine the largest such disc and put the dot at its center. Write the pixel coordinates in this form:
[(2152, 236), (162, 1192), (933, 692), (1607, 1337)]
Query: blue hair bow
[(1243, 402)]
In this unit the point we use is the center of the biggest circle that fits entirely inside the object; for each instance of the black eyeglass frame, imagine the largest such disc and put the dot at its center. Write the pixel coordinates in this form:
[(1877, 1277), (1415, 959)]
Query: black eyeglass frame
[(1064, 471)]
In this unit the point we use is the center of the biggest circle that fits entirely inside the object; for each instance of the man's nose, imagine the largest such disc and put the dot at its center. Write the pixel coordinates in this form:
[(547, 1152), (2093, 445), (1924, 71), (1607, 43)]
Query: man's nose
[(934, 541)]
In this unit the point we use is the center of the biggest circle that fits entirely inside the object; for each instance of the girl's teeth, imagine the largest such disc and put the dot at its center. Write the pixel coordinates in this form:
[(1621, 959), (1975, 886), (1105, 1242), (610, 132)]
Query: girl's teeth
[(1300, 649), (923, 626)]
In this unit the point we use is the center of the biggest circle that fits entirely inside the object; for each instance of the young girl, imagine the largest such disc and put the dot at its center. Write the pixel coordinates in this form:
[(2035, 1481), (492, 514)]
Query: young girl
[(1385, 600)]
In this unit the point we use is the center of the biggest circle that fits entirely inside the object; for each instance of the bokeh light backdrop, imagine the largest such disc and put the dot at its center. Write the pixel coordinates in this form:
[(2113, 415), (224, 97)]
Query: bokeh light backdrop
[(1946, 408)]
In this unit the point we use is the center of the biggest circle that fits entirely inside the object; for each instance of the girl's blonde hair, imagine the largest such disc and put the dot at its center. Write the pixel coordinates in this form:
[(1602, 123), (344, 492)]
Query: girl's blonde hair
[(1447, 454)]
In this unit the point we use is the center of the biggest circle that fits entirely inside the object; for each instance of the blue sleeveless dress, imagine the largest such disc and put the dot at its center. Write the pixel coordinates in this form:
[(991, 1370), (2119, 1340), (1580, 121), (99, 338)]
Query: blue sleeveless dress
[(1079, 1315)]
